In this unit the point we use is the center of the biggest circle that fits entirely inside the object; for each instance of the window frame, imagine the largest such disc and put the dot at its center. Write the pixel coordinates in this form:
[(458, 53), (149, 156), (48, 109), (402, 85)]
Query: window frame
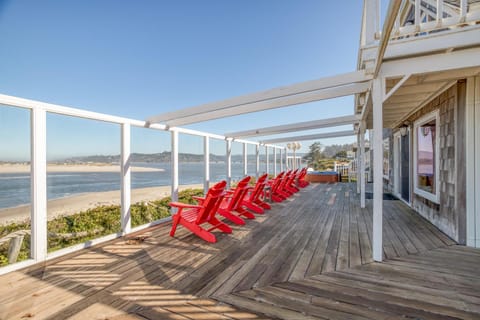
[(434, 115)]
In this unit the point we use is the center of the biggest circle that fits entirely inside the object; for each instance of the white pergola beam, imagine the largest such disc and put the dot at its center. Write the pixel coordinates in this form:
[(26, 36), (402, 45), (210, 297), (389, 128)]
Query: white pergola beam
[(313, 136), (280, 92), (294, 127), (467, 58), (323, 94)]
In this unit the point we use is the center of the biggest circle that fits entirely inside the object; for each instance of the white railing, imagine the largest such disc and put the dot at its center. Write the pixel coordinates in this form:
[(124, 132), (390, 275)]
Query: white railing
[(422, 17), (38, 144), (418, 18)]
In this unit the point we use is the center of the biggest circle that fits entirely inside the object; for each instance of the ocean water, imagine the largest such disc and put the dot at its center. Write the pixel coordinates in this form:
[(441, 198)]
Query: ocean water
[(15, 187)]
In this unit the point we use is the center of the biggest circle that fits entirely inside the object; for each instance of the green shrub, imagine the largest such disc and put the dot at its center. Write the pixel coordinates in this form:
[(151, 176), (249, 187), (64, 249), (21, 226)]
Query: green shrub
[(77, 228)]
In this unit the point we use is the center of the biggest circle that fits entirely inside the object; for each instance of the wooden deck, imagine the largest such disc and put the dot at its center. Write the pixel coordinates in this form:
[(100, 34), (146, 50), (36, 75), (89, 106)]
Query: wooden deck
[(307, 258)]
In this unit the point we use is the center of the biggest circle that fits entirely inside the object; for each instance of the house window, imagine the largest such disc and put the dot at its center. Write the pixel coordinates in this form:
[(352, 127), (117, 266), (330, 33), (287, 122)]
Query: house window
[(386, 158), (426, 156)]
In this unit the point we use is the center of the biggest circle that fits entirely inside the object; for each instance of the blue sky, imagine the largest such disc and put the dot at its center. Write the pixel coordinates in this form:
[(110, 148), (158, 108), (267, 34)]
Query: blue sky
[(140, 58)]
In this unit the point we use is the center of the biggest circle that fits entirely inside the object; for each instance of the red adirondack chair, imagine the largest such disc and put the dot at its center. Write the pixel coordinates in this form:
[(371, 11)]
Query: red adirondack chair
[(252, 199), (276, 186), (290, 184), (301, 178), (232, 202), (193, 216)]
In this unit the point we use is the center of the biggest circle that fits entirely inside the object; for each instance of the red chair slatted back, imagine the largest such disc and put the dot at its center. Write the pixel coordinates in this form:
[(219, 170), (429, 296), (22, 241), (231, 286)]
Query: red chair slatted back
[(210, 204), (277, 182), (239, 193), (259, 186)]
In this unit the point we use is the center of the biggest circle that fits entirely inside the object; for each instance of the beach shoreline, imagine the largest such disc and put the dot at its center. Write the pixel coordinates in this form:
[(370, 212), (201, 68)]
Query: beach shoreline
[(84, 201), (53, 168)]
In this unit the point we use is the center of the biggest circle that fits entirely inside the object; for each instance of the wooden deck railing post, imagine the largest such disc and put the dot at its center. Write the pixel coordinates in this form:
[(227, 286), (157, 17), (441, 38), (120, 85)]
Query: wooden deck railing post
[(174, 155), (257, 161), (267, 169), (274, 161), (377, 95), (39, 184), (229, 162), (357, 167), (245, 159), (362, 164), (125, 180), (206, 159), (281, 160)]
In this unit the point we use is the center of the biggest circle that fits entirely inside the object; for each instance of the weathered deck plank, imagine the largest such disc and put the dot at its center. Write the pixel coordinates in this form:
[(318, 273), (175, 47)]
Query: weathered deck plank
[(307, 258)]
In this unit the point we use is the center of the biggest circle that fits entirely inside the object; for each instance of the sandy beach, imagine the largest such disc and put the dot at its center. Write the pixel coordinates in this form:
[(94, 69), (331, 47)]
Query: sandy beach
[(82, 202), (25, 168)]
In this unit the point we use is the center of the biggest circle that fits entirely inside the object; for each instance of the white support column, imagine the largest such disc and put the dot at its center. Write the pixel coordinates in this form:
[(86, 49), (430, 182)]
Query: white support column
[(274, 161), (463, 9), (287, 166), (362, 165), (371, 23), (174, 154), (267, 169), (39, 184), (417, 15), (281, 160), (206, 155), (257, 161), (477, 161), (377, 94), (229, 162), (126, 180), (472, 142), (439, 16), (357, 167), (245, 159)]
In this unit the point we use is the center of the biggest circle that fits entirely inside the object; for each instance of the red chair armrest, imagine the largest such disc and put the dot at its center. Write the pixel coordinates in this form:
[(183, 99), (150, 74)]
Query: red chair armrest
[(184, 205)]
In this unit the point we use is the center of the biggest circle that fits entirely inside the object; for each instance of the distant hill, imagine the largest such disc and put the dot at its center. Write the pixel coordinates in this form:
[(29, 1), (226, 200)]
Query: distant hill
[(159, 158)]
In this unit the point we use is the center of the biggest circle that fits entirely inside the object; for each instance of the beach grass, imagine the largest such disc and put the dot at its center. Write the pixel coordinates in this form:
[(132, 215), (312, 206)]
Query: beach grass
[(68, 230)]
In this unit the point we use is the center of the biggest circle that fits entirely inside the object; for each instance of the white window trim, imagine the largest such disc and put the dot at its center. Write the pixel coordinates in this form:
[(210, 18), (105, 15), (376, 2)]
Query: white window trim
[(434, 115)]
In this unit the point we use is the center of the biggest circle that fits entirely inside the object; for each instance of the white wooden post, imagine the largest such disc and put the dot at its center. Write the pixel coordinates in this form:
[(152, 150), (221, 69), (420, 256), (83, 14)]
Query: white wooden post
[(39, 184), (274, 161), (174, 155), (266, 160), (229, 162), (257, 160), (362, 165), (281, 160), (463, 9), (357, 167), (371, 14), (472, 141), (417, 15), (206, 157), (377, 96), (287, 165), (126, 180), (477, 158), (245, 159), (439, 17)]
